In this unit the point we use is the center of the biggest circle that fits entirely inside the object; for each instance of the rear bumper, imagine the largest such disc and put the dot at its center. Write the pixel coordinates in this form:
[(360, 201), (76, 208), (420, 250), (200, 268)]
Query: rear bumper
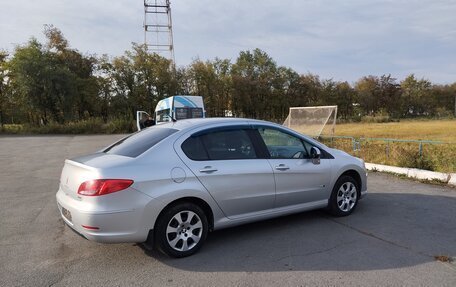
[(74, 230), (113, 226)]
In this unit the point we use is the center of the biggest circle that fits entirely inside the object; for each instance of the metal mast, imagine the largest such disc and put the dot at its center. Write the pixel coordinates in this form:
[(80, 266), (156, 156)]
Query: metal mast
[(158, 28)]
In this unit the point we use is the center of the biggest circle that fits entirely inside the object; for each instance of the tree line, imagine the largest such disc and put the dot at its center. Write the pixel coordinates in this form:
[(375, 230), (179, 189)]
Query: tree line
[(52, 82)]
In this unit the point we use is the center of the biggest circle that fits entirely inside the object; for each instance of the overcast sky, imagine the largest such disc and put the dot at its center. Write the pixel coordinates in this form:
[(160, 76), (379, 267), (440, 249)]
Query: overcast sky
[(339, 39)]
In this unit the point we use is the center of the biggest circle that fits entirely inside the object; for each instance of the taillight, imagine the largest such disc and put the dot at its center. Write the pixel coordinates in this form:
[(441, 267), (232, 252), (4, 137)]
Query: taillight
[(98, 187)]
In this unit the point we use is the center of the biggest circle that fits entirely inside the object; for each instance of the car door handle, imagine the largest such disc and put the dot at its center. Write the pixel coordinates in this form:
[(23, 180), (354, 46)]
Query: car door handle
[(282, 167), (208, 169)]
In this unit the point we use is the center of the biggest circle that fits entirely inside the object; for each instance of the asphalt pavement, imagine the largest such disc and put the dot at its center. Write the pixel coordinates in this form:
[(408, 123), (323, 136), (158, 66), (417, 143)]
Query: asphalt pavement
[(392, 239)]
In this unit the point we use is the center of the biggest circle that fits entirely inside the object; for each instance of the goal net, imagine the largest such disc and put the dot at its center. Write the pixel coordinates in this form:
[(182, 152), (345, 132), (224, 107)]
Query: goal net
[(312, 121)]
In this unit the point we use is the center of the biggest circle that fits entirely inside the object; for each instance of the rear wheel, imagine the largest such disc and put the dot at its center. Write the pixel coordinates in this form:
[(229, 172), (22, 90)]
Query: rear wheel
[(181, 230), (344, 196)]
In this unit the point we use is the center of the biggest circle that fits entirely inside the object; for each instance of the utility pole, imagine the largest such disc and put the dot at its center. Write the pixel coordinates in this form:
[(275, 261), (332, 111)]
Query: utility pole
[(158, 28)]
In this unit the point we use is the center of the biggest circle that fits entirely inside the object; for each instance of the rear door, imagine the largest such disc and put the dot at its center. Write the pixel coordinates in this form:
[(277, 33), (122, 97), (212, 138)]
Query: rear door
[(297, 179), (228, 165)]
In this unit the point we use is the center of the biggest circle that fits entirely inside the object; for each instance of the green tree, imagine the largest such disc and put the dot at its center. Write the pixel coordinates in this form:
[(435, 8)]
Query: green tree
[(141, 79), (212, 81), (340, 94), (47, 82), (417, 97), (78, 98), (105, 86), (4, 100), (309, 94), (286, 93), (253, 76), (443, 99), (29, 71), (52, 81), (183, 81), (390, 96), (367, 89)]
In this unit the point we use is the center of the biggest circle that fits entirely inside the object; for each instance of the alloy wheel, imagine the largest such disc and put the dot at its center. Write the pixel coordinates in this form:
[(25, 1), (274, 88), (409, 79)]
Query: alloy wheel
[(347, 196), (184, 230)]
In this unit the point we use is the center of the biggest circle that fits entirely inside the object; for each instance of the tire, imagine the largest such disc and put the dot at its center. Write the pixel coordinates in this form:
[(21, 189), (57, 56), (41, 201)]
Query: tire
[(181, 230), (344, 197)]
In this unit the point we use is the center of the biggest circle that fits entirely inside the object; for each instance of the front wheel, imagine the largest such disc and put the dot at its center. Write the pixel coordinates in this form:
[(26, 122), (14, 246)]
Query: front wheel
[(181, 230), (344, 196)]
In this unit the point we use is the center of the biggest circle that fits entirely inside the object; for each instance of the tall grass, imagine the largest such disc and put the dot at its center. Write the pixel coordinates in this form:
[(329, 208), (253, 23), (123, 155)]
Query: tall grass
[(89, 126), (437, 130), (434, 157), (437, 157)]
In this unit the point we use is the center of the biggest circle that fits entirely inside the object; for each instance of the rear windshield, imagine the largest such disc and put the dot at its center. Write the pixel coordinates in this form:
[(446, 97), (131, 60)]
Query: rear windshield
[(137, 143)]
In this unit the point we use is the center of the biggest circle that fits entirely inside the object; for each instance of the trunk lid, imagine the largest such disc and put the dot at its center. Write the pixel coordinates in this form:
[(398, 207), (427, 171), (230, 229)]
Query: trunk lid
[(77, 170)]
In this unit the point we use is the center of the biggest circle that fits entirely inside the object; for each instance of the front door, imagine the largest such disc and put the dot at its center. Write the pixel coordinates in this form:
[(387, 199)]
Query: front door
[(227, 164), (297, 179)]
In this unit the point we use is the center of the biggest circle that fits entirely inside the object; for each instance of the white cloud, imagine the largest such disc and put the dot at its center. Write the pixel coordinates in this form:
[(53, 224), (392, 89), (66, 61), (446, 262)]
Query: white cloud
[(343, 40)]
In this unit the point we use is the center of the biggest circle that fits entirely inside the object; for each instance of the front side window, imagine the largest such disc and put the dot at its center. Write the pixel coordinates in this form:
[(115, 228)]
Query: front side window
[(282, 145), (220, 145)]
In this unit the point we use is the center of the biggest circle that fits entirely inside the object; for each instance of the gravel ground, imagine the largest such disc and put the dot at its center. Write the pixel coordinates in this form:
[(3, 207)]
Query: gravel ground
[(392, 238)]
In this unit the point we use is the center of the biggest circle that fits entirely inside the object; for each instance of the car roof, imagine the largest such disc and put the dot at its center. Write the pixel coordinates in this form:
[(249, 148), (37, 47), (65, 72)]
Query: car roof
[(192, 123), (183, 125)]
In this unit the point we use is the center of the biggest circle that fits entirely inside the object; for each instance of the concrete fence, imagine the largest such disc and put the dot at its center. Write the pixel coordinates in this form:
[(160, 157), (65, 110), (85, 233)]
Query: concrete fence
[(449, 178)]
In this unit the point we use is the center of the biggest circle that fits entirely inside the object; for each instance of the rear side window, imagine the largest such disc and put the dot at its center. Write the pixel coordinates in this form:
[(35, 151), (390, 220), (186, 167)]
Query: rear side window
[(234, 144), (138, 143), (222, 145), (194, 149)]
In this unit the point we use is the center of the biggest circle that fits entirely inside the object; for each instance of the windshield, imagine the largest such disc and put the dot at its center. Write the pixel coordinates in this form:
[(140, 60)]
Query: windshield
[(163, 116)]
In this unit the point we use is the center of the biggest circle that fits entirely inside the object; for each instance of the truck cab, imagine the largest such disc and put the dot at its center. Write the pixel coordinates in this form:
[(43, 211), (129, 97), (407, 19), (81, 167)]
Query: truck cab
[(172, 109)]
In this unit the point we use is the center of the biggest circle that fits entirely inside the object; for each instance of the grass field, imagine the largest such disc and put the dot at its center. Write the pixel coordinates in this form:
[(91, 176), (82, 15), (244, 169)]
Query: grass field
[(437, 130), (437, 157)]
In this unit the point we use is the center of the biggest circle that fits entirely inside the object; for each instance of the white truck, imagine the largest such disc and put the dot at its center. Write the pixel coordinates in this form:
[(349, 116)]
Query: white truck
[(172, 109)]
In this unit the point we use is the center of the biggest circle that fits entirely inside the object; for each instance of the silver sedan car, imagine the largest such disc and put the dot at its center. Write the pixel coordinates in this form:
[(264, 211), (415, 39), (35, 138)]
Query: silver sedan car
[(169, 185)]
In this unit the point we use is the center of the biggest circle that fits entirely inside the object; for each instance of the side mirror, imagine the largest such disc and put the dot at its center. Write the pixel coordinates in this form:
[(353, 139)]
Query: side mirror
[(315, 155)]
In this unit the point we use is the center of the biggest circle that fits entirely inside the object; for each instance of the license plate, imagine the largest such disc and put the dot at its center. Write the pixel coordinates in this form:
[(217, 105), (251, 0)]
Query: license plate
[(66, 214)]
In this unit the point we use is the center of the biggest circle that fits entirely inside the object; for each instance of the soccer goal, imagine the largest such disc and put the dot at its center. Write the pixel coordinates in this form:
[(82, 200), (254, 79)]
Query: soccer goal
[(312, 121)]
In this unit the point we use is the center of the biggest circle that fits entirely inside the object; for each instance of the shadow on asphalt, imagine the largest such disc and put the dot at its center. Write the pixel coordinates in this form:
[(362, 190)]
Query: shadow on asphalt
[(388, 230)]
